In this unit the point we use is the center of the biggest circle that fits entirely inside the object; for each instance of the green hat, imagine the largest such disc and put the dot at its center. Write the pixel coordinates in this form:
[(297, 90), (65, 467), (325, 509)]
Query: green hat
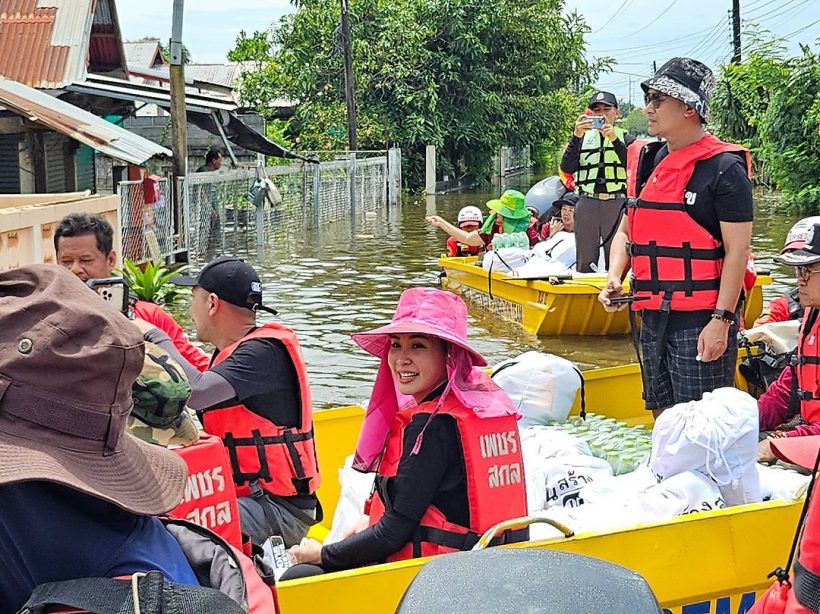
[(511, 205), (161, 390)]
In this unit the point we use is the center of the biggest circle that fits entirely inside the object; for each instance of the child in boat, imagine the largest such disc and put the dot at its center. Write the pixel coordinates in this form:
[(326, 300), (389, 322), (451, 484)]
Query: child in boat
[(469, 219), (441, 436), (509, 214)]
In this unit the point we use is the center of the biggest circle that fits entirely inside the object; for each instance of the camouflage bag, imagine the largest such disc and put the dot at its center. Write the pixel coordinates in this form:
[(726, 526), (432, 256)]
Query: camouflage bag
[(161, 390), (160, 393)]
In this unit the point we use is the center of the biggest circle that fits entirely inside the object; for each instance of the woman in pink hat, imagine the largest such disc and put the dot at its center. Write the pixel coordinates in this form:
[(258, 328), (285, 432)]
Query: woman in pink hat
[(442, 437)]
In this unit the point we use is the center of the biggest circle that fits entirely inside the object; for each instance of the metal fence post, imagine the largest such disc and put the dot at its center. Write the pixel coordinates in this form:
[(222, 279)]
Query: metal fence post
[(351, 179), (317, 188)]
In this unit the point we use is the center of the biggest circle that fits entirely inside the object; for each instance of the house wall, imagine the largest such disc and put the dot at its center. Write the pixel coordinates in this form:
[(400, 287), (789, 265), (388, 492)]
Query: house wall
[(28, 223)]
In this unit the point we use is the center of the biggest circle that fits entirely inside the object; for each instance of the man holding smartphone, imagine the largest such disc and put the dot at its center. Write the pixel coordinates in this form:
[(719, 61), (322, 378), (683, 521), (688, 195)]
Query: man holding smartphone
[(596, 157), (84, 244), (687, 237)]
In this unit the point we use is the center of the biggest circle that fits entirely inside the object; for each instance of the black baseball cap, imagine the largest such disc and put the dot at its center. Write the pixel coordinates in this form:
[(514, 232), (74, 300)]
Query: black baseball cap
[(809, 254), (603, 98), (570, 199), (231, 279)]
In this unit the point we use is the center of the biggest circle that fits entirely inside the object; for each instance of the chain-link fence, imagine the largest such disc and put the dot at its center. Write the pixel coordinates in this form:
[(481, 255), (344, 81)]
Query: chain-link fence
[(219, 213), (147, 219)]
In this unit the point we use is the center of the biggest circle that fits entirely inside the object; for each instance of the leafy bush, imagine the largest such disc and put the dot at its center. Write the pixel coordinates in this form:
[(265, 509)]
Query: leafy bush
[(152, 283)]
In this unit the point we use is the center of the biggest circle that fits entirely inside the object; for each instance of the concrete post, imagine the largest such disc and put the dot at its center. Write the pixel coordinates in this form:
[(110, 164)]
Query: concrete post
[(430, 170)]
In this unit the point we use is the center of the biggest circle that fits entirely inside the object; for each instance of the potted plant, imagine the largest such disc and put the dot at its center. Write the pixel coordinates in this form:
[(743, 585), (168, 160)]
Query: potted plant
[(152, 282)]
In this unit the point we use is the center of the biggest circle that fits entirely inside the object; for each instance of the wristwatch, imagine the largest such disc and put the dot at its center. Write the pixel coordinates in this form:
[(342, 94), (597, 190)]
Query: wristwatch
[(724, 315)]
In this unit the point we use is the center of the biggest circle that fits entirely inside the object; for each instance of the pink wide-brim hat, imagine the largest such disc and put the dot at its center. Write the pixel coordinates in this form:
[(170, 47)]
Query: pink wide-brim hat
[(423, 311)]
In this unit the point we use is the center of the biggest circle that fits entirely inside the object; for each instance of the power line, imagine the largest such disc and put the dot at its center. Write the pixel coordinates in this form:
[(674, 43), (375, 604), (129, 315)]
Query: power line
[(671, 41), (615, 15), (661, 14)]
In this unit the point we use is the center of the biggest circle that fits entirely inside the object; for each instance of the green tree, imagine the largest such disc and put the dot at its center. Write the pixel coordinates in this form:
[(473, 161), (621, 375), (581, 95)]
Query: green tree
[(635, 122), (467, 77)]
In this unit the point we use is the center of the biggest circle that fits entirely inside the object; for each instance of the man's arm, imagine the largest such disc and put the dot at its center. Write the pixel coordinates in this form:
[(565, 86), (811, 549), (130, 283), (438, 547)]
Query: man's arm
[(619, 262), (571, 156), (737, 237), (154, 314)]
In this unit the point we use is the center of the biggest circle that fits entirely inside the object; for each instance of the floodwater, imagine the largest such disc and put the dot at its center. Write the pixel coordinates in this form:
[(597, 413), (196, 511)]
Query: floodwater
[(347, 276)]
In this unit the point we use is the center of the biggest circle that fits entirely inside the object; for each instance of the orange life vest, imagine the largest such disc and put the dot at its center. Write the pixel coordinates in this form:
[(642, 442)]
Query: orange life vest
[(494, 467), (456, 248), (808, 366), (282, 460), (676, 263)]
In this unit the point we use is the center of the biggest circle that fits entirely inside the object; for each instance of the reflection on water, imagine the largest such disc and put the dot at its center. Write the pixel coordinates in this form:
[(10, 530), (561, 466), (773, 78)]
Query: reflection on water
[(347, 276)]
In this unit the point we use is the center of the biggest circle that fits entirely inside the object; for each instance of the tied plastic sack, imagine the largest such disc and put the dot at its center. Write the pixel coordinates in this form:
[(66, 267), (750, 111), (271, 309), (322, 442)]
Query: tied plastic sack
[(506, 259), (541, 386), (780, 483), (545, 452), (356, 488), (559, 248), (683, 493), (716, 435), (538, 268), (565, 476)]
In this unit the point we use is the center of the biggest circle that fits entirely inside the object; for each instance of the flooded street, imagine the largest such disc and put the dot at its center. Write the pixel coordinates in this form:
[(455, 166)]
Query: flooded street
[(347, 276)]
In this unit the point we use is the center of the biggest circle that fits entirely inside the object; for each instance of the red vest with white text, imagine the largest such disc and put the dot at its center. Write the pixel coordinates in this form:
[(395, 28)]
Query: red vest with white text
[(210, 495), (808, 367), (283, 460), (633, 154), (674, 259), (494, 467)]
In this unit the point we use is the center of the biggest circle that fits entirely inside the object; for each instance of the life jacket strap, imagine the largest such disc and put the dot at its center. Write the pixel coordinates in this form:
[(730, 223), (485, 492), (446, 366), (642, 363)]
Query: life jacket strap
[(288, 438)]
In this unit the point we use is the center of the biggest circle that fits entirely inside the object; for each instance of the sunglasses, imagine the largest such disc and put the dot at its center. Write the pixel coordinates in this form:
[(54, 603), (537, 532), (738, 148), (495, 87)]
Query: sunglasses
[(655, 99), (804, 273)]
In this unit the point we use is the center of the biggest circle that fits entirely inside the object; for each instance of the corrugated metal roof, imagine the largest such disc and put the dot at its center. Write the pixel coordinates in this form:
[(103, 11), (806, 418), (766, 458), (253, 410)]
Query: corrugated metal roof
[(60, 116), (49, 43), (141, 53), (221, 74)]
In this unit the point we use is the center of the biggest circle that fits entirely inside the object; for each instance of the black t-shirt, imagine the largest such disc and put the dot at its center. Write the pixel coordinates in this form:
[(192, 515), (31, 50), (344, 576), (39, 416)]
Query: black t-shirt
[(265, 380), (718, 191), (436, 475)]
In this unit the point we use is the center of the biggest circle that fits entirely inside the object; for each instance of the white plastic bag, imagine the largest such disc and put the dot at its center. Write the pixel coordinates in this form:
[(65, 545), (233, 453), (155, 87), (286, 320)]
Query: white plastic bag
[(780, 483), (356, 488), (559, 248), (538, 268), (538, 446), (565, 476), (542, 386), (716, 435), (506, 259), (683, 493)]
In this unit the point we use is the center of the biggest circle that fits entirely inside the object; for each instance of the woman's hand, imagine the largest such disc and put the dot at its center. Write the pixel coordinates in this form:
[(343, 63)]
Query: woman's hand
[(358, 526), (764, 452), (556, 226), (309, 551)]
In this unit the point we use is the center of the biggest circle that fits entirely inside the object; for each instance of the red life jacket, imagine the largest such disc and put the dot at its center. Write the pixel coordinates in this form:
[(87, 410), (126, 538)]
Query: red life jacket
[(674, 259), (802, 594), (455, 248), (494, 467), (283, 460), (210, 495), (633, 155), (808, 367)]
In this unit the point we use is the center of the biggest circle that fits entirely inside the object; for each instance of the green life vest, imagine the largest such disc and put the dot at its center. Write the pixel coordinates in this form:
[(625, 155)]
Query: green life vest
[(598, 153)]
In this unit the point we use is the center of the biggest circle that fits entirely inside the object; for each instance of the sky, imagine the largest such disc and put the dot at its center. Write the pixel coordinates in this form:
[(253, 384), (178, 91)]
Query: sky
[(634, 32)]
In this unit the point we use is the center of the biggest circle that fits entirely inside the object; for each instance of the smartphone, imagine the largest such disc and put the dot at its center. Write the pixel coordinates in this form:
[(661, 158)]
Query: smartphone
[(598, 121), (557, 218), (111, 289)]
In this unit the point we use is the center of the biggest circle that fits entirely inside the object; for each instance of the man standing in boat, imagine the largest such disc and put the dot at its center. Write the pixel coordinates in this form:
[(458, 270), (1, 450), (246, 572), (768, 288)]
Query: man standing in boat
[(255, 397), (687, 237), (596, 157)]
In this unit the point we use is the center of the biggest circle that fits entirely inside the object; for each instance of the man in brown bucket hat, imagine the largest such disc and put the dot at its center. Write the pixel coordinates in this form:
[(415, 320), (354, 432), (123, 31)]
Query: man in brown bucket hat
[(77, 494)]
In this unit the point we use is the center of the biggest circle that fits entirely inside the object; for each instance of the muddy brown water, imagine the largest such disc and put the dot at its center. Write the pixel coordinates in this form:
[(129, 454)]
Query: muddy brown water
[(347, 276)]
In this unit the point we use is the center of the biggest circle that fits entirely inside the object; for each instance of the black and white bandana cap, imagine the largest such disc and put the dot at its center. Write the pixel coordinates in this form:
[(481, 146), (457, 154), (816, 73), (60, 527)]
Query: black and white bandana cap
[(688, 80)]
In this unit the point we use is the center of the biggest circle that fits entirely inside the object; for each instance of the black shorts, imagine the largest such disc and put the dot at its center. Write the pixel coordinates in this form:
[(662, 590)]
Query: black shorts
[(670, 372)]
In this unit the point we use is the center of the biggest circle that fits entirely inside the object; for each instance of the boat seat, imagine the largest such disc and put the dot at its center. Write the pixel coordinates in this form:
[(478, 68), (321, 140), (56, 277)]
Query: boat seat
[(512, 580)]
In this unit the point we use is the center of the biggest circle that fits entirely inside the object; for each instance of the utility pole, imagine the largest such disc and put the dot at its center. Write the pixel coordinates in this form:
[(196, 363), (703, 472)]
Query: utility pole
[(350, 86), (179, 121), (630, 90), (736, 31)]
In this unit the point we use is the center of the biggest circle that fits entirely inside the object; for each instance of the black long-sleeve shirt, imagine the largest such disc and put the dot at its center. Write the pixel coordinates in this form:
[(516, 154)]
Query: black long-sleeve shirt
[(570, 161), (436, 475)]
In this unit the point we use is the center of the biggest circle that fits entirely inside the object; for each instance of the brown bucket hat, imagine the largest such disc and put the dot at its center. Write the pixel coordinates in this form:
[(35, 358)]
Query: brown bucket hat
[(67, 363)]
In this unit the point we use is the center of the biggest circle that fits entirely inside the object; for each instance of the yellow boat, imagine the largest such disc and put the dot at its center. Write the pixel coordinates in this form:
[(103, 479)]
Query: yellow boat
[(708, 562), (556, 307)]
